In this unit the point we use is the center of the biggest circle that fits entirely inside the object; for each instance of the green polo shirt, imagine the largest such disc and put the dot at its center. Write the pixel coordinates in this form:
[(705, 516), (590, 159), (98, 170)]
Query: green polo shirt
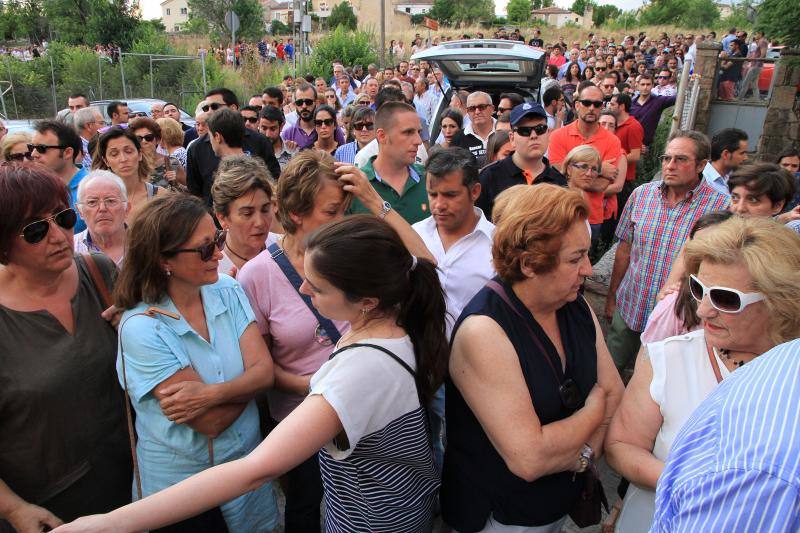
[(411, 204)]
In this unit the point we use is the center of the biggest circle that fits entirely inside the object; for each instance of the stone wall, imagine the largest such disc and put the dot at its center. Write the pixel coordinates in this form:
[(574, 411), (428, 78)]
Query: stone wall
[(782, 124), (706, 67)]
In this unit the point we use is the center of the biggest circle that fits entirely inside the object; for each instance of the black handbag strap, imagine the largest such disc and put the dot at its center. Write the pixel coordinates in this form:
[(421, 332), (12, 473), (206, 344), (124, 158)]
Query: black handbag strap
[(379, 348), (277, 254)]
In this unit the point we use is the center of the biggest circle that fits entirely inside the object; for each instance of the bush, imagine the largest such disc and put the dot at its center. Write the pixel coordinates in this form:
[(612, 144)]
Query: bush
[(342, 15), (276, 27), (352, 48)]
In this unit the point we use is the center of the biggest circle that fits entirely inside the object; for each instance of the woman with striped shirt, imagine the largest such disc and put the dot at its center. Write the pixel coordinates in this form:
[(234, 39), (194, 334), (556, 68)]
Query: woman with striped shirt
[(365, 405)]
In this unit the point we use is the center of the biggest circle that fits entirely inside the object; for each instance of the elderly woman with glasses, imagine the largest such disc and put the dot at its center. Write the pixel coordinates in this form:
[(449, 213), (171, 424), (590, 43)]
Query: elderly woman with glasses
[(193, 367), (743, 275), (103, 204), (64, 446), (14, 147)]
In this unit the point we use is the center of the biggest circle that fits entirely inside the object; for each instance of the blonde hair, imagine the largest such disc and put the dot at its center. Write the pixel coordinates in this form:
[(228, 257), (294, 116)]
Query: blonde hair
[(581, 154), (771, 253), (236, 176), (530, 224), (14, 138), (171, 132), (300, 183)]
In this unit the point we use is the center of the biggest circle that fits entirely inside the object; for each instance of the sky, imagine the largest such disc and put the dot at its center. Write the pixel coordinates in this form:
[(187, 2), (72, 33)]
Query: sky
[(152, 8)]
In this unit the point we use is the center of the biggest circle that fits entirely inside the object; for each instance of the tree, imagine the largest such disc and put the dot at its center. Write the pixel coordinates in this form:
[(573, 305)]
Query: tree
[(22, 19), (94, 21), (579, 6), (681, 13), (250, 12), (541, 4), (342, 15), (776, 18), (604, 13), (453, 12), (519, 11), (276, 27)]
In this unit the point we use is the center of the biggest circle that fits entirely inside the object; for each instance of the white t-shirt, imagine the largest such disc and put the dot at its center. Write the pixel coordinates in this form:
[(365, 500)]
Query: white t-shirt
[(370, 150), (367, 388)]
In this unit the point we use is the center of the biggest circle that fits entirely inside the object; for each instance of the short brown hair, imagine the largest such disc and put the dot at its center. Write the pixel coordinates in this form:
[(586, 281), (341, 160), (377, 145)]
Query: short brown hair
[(300, 183), (531, 228), (171, 132), (236, 176), (702, 146), (145, 122)]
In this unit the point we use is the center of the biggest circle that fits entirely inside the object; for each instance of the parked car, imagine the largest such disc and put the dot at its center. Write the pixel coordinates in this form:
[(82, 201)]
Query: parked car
[(16, 126), (140, 105), (488, 65), (765, 78)]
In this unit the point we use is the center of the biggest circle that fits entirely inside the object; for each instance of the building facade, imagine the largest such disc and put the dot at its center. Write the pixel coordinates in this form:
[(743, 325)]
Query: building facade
[(174, 14), (558, 17)]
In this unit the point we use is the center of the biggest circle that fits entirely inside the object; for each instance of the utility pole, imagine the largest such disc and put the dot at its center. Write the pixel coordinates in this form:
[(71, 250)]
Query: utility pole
[(383, 33)]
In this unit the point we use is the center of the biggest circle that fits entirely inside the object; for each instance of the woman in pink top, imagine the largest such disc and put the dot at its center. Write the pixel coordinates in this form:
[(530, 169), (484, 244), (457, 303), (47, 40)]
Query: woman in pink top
[(312, 191)]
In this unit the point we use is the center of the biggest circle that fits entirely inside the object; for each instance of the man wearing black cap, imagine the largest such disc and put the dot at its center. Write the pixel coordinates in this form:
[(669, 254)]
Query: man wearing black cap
[(527, 164)]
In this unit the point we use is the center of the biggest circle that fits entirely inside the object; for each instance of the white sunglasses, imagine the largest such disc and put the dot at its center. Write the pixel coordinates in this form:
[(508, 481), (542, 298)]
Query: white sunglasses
[(723, 299)]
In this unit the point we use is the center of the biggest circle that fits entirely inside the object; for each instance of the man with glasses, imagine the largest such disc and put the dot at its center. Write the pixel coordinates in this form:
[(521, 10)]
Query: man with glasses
[(647, 108), (608, 85), (271, 123), (665, 84), (88, 122), (304, 132), (508, 101), (530, 136), (476, 134), (201, 159), (651, 232), (57, 146), (156, 111), (250, 116)]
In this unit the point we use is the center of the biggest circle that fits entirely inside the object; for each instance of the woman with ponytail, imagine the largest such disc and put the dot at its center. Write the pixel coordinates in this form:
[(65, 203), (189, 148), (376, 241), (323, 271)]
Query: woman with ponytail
[(364, 412)]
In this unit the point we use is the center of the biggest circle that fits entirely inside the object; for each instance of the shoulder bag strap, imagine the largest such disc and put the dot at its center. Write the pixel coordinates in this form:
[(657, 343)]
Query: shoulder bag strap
[(501, 292), (714, 366), (97, 278), (277, 254), (379, 348)]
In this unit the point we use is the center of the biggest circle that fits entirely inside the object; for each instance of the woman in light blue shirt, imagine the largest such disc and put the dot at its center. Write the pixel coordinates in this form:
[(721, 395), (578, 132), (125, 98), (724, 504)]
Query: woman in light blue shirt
[(193, 367)]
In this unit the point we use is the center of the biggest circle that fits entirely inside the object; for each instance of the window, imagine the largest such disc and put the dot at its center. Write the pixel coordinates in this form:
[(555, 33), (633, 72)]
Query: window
[(408, 10), (176, 29), (168, 12), (184, 11)]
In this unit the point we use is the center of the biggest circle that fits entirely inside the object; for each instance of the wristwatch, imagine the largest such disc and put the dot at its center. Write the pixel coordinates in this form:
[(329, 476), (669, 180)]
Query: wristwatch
[(385, 208), (586, 458)]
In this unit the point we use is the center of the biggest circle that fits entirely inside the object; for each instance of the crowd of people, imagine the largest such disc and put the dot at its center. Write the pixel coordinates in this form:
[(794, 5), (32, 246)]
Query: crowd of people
[(309, 293)]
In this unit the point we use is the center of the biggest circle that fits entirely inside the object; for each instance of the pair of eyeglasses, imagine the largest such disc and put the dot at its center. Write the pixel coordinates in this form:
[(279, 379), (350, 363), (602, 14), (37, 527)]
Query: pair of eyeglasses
[(363, 103), (600, 69), (358, 126), (525, 131), (307, 102), (207, 250), (586, 167), (251, 120), (137, 114), (213, 106), (43, 148), (36, 231), (479, 107), (257, 107), (324, 122), (330, 96), (501, 110), (109, 203), (679, 159), (150, 137), (723, 299), (597, 104), (662, 77), (20, 157)]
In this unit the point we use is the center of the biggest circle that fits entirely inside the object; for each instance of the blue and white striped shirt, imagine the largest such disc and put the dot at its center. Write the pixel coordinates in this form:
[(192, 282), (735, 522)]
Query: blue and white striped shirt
[(346, 153), (735, 465)]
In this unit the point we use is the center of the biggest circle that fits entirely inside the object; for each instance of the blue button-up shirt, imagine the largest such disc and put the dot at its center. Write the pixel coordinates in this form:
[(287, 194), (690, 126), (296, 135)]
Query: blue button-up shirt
[(154, 350), (735, 466), (72, 186), (717, 181)]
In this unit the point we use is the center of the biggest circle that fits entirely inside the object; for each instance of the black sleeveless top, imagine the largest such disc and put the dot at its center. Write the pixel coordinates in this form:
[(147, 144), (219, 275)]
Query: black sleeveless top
[(476, 482)]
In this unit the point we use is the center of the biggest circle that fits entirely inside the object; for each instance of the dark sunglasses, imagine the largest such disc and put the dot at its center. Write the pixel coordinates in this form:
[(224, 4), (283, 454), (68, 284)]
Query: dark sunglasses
[(137, 114), (600, 69), (324, 122), (20, 157), (300, 102), (36, 231), (258, 107), (251, 120), (358, 126), (150, 137), (212, 106), (207, 250), (723, 299), (597, 104), (501, 110), (42, 148), (479, 107), (663, 77), (525, 131)]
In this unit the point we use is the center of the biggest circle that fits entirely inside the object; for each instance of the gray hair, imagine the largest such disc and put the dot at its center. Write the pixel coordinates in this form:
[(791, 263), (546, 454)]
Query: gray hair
[(479, 94), (102, 175), (84, 116), (443, 161), (702, 146)]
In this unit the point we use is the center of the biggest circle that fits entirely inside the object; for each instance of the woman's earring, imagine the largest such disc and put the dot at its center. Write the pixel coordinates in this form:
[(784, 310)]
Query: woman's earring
[(168, 272), (364, 312)]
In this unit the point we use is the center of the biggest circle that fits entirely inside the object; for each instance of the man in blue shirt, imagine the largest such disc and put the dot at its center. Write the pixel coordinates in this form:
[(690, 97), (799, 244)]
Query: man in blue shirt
[(728, 152), (735, 465)]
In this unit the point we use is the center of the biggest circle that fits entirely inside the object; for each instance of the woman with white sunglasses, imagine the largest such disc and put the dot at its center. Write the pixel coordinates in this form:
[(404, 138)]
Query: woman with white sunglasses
[(743, 275)]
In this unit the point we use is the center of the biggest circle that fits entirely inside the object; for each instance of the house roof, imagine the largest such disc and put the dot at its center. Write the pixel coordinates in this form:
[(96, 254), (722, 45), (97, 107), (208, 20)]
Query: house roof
[(552, 11)]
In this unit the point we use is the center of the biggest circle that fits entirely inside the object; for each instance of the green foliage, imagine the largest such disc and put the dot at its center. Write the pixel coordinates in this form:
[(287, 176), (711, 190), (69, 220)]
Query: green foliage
[(683, 13), (22, 19), (250, 13), (458, 12), (499, 21), (623, 21), (604, 13), (196, 26), (351, 47), (276, 27), (443, 10), (541, 4), (418, 18), (579, 6), (519, 10), (343, 16), (777, 19)]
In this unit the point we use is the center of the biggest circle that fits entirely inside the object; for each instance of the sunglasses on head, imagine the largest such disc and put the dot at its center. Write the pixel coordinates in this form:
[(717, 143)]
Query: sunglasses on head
[(20, 157), (300, 102), (358, 126), (251, 120), (723, 299), (212, 106), (324, 122), (479, 107), (36, 231), (525, 131), (150, 137), (43, 148), (597, 104), (206, 251)]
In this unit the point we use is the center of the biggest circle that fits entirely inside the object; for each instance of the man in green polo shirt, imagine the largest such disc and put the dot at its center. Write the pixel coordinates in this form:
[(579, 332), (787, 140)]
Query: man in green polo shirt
[(392, 173)]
